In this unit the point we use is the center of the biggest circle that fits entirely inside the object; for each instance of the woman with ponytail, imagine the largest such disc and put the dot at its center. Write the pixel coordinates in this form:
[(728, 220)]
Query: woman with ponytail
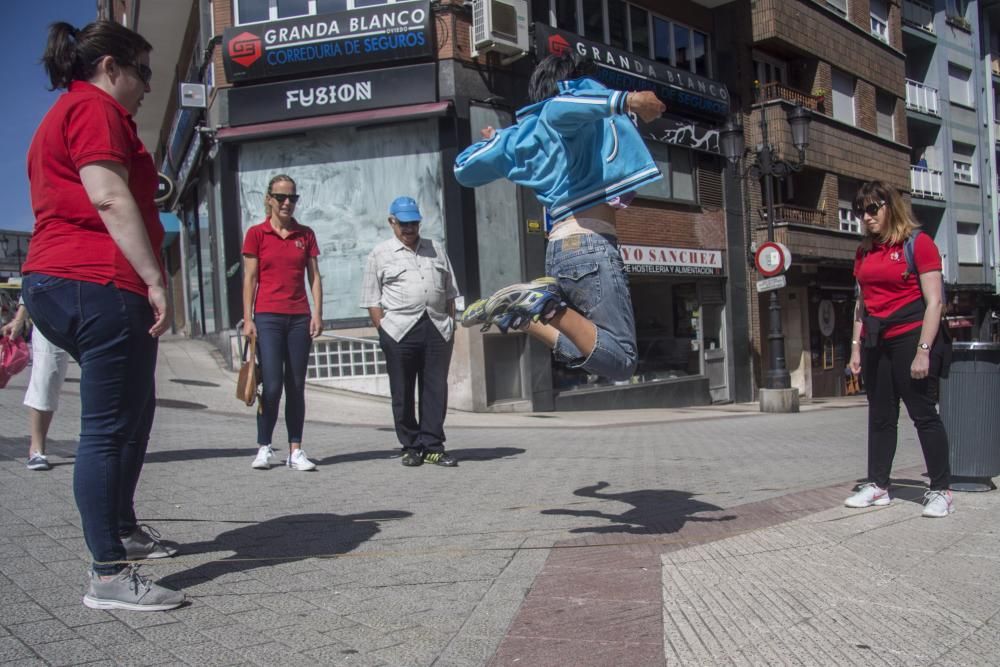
[(94, 286)]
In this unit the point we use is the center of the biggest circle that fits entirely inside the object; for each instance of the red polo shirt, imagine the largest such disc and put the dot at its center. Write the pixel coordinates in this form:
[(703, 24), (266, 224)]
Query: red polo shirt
[(281, 267), (883, 286), (84, 126)]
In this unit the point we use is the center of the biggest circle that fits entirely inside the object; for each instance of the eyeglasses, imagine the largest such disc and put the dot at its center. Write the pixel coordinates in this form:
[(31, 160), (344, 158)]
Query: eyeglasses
[(871, 209), (145, 72), (282, 198)]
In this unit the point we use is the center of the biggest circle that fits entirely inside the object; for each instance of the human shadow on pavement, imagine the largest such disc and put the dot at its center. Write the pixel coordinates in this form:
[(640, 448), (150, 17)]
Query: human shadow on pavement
[(654, 511), (199, 453), (281, 540), (466, 454)]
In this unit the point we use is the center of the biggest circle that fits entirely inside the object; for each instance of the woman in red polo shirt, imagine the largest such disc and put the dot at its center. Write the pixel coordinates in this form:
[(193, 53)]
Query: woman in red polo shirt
[(277, 254), (94, 287), (897, 343)]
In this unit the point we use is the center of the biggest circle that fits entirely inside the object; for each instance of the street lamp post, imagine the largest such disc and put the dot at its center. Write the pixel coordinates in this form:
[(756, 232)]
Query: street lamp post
[(768, 166)]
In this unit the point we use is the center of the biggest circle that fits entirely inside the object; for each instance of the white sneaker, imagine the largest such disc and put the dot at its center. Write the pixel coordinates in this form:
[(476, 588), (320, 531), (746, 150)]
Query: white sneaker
[(299, 461), (938, 504), (264, 457), (869, 494)]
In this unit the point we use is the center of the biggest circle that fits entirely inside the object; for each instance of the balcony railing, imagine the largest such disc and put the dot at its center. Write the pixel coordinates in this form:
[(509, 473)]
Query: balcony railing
[(921, 98), (795, 214), (927, 183), (779, 91), (919, 15)]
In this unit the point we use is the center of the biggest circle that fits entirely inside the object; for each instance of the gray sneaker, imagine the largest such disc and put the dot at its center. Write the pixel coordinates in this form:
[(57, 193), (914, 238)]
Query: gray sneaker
[(131, 591), (38, 462), (144, 543)]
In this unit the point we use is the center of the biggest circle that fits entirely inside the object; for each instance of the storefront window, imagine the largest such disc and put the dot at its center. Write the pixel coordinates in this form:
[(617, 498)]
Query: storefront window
[(207, 262)]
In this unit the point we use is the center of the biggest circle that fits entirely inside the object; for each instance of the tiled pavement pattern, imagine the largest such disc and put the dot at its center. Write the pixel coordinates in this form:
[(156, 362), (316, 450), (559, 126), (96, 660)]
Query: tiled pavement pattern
[(365, 562)]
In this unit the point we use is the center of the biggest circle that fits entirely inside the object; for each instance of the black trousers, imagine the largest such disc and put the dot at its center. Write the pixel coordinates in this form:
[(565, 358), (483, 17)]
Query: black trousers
[(887, 380), (418, 362)]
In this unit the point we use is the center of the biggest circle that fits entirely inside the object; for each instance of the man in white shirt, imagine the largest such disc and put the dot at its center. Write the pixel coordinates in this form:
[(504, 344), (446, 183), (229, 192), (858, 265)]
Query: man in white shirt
[(409, 290)]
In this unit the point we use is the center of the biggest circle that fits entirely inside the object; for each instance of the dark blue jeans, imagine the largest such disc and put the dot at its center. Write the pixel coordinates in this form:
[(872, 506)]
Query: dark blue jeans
[(106, 330), (283, 345)]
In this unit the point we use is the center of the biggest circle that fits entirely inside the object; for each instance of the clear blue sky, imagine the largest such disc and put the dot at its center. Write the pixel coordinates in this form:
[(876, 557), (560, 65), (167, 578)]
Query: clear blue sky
[(26, 96)]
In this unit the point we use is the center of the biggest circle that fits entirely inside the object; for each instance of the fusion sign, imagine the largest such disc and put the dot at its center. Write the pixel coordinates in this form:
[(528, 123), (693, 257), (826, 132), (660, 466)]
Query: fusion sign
[(325, 42)]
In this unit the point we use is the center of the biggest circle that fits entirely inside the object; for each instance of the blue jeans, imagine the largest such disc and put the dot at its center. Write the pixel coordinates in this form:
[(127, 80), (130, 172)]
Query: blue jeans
[(283, 344), (592, 278), (106, 330)]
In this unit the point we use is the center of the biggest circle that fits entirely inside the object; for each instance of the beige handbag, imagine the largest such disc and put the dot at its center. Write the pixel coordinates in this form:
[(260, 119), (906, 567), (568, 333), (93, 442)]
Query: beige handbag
[(249, 378)]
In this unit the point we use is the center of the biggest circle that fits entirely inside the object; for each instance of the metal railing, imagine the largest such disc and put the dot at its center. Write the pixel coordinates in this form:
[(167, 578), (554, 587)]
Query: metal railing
[(341, 356), (795, 214), (919, 15), (779, 91), (921, 98), (925, 182)]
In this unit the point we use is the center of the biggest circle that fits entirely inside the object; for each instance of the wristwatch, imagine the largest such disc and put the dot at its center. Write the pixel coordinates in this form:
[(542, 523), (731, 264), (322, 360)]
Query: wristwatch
[(924, 346)]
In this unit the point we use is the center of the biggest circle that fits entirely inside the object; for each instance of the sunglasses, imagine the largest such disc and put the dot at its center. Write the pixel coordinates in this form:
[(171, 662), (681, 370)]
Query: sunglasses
[(282, 198), (145, 72), (871, 209), (403, 223)]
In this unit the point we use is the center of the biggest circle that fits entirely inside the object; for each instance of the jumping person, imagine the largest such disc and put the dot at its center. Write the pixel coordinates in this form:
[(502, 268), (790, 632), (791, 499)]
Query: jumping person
[(577, 148)]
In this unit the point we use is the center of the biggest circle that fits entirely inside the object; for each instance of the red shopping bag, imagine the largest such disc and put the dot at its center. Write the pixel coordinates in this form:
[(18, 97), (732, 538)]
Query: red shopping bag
[(14, 355)]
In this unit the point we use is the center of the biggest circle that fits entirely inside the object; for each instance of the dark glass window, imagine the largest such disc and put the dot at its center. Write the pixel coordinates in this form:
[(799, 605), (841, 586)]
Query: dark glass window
[(617, 25), (369, 3), (289, 8), (682, 47), (330, 6), (540, 11), (699, 52), (253, 10), (661, 40), (566, 15), (593, 20), (640, 31)]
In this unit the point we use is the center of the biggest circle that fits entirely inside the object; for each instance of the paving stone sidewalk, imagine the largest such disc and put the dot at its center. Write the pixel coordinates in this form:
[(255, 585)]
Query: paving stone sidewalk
[(365, 562)]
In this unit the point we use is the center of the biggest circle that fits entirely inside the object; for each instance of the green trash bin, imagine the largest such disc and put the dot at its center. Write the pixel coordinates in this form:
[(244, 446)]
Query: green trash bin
[(970, 410)]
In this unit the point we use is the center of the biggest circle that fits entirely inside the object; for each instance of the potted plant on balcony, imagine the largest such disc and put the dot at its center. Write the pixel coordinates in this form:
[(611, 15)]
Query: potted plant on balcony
[(819, 94)]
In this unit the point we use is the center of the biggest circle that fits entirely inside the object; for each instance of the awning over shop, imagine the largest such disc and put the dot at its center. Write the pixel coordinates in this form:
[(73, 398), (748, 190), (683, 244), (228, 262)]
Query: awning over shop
[(260, 130), (171, 227)]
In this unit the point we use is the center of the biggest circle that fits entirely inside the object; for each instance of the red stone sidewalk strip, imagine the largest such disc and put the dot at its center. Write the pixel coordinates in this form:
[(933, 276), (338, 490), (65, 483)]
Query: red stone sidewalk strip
[(597, 601)]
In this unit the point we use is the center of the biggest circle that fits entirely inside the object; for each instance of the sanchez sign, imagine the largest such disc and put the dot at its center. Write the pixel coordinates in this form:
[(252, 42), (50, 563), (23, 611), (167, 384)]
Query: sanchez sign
[(656, 259), (328, 41)]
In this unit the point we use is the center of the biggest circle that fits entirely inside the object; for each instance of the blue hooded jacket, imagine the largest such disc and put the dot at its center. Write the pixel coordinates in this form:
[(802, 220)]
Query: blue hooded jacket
[(575, 150)]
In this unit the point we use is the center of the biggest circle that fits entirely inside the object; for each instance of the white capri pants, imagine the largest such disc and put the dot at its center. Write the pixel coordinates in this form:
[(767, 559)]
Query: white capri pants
[(48, 370)]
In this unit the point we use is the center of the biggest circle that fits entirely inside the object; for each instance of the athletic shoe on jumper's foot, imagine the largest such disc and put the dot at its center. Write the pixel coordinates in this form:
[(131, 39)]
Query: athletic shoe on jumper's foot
[(144, 543), (299, 461), (869, 494), (507, 321), (131, 591), (938, 503), (38, 462), (475, 313), (265, 456), (536, 301)]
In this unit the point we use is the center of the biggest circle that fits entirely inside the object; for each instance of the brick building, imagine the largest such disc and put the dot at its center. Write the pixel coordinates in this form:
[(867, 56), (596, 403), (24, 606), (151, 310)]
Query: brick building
[(357, 129)]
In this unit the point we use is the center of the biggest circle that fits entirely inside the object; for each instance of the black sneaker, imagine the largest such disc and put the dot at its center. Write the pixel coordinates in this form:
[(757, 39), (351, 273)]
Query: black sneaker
[(412, 458), (440, 459)]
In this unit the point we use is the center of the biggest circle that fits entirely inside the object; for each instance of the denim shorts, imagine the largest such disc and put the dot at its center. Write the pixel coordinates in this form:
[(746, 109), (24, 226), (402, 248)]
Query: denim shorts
[(592, 278)]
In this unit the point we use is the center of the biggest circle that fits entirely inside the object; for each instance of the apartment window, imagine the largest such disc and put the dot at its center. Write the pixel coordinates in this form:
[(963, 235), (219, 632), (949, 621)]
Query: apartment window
[(639, 33), (256, 11), (566, 15), (845, 206), (843, 97), (959, 90), (968, 243), (885, 106), (879, 19), (678, 174), (593, 20), (839, 6), (618, 24), (956, 8), (962, 162)]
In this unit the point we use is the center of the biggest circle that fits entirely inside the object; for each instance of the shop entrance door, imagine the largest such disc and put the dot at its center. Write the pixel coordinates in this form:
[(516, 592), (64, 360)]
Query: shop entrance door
[(716, 365)]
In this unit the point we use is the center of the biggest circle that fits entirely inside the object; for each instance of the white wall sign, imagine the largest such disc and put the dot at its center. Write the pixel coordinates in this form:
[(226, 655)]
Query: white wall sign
[(657, 259)]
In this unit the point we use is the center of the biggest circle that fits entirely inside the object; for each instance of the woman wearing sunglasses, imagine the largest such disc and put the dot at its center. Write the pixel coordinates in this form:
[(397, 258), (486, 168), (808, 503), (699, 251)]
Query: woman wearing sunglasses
[(898, 343), (94, 287), (277, 255)]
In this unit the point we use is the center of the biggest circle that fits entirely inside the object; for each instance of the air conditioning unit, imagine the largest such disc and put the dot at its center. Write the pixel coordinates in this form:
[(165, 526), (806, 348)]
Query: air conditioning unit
[(500, 25)]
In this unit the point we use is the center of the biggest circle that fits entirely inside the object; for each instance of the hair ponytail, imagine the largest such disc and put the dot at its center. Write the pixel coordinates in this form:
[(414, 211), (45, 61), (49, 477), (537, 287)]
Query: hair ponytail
[(72, 54)]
